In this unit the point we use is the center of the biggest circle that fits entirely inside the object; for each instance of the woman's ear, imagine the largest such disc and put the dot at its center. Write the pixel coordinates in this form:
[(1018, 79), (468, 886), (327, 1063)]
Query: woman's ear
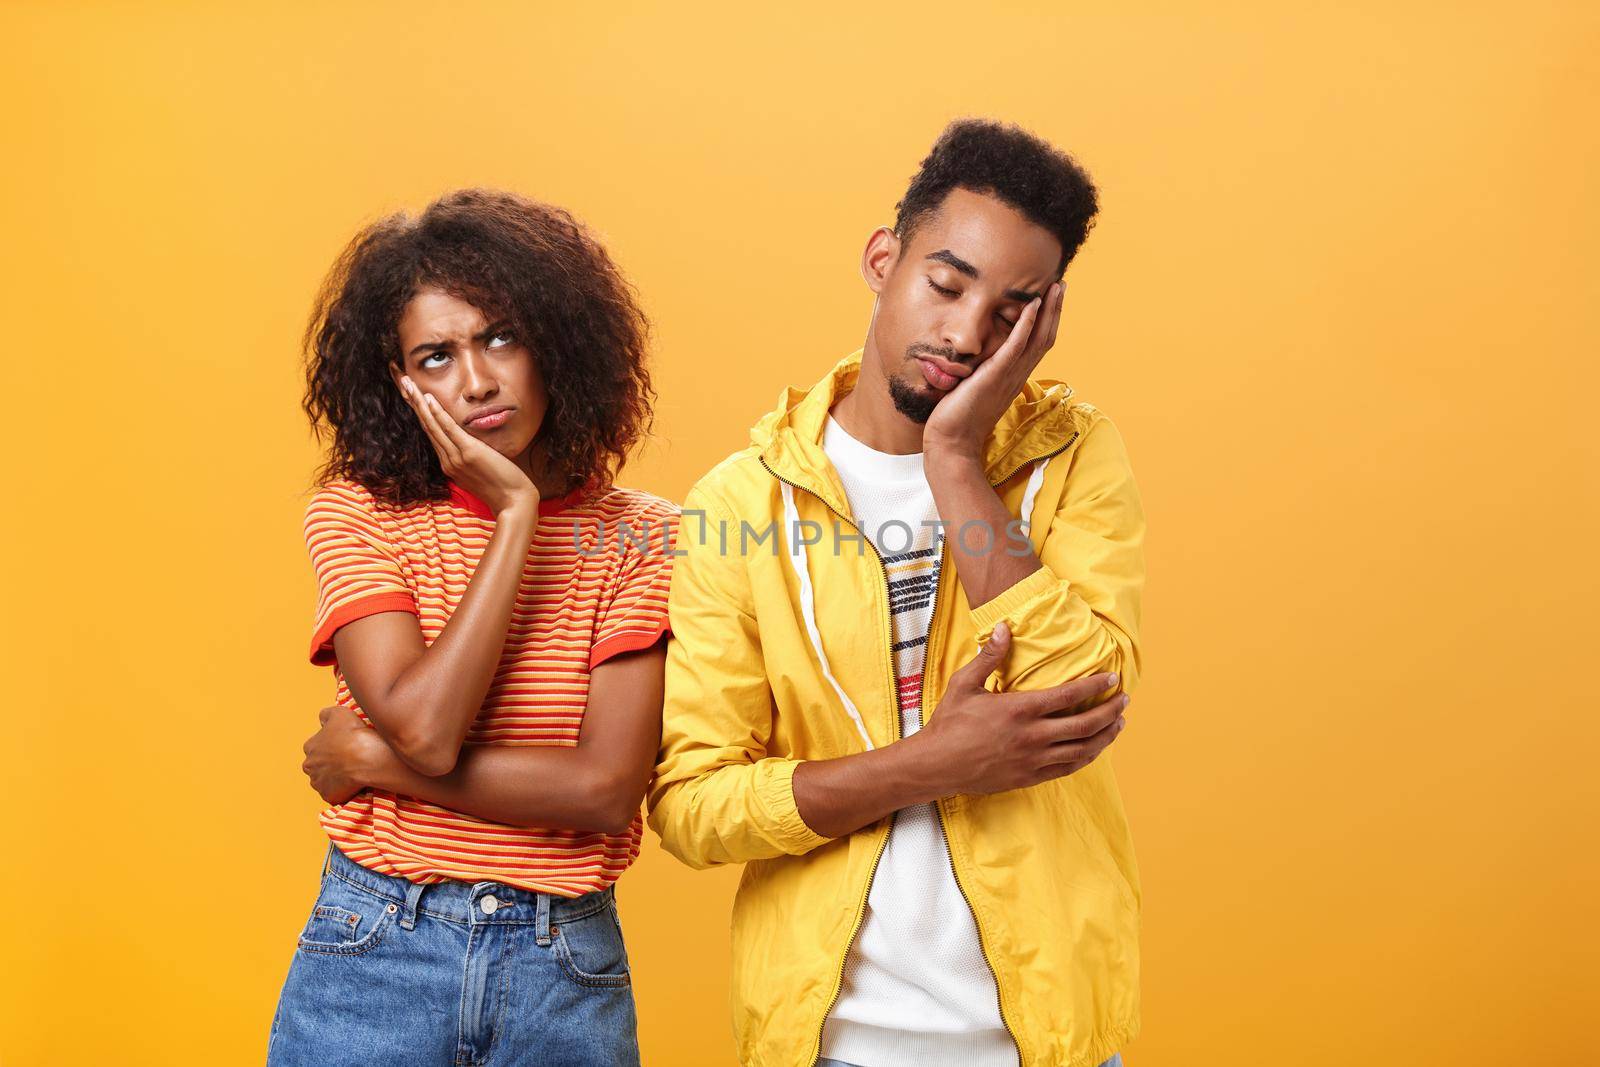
[(395, 374), (878, 258)]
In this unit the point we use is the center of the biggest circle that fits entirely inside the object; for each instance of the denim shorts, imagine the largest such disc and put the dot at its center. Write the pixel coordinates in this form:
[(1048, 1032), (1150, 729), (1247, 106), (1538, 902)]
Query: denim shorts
[(388, 972)]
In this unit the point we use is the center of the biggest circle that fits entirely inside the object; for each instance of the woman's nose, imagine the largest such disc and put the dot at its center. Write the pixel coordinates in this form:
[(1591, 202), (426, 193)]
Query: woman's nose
[(477, 378)]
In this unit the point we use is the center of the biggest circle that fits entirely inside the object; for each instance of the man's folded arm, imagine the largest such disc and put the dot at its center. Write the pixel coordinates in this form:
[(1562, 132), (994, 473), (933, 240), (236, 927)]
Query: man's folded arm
[(1079, 613)]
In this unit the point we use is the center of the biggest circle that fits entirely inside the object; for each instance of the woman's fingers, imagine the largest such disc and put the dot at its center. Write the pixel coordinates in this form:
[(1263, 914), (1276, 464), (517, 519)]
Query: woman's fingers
[(449, 455), (449, 451), (458, 437)]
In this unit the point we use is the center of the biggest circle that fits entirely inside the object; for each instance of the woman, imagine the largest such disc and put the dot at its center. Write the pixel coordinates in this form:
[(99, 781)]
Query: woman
[(494, 610)]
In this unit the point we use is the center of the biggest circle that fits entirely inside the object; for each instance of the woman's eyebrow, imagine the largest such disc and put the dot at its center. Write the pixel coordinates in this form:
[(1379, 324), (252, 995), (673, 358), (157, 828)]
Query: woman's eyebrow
[(428, 346), (434, 346)]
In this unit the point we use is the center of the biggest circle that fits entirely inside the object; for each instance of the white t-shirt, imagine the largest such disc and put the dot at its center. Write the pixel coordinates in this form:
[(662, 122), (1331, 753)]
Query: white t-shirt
[(917, 990)]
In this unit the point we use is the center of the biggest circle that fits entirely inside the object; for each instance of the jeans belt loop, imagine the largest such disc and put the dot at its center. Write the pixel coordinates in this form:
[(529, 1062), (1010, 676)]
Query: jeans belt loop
[(541, 920), (408, 914)]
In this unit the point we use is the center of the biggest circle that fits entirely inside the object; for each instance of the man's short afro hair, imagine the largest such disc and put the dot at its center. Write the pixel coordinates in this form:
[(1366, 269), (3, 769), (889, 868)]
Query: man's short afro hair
[(1043, 183)]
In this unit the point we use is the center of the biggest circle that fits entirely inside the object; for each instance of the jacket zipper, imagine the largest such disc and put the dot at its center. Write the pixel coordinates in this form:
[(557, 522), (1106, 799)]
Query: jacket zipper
[(938, 806), (944, 827), (893, 691), (1073, 436)]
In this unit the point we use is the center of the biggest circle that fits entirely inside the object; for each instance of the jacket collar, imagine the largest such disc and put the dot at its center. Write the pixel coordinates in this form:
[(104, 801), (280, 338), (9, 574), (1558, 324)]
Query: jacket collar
[(1038, 423)]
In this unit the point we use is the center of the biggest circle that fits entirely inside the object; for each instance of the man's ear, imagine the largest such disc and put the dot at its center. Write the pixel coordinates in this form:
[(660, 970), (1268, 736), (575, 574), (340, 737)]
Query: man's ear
[(879, 258)]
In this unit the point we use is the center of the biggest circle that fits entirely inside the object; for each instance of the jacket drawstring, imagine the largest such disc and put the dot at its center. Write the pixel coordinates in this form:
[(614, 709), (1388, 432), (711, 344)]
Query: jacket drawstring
[(1035, 480), (802, 570), (808, 611)]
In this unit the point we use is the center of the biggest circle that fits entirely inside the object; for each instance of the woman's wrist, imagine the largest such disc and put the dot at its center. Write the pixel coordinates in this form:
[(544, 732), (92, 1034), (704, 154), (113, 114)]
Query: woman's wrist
[(376, 765), (521, 515)]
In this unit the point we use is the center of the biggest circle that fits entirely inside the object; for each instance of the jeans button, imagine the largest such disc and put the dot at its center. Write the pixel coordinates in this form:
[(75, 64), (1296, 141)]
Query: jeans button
[(489, 904)]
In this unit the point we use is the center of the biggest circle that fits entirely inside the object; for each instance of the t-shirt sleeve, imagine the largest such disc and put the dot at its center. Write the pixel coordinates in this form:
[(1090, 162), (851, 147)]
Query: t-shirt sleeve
[(635, 614), (358, 570)]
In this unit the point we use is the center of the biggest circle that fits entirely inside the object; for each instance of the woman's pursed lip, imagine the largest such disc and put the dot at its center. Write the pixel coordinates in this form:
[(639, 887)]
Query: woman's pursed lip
[(490, 419)]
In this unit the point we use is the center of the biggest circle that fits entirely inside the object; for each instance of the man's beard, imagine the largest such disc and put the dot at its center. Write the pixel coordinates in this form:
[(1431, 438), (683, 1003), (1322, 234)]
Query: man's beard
[(911, 402)]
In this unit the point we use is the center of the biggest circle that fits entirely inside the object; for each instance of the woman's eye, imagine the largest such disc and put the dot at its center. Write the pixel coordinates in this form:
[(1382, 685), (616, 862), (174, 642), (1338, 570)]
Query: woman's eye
[(500, 340), (941, 290), (427, 362)]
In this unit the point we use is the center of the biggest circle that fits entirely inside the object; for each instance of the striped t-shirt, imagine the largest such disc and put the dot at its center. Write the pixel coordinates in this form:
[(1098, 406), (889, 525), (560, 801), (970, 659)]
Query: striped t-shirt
[(594, 585)]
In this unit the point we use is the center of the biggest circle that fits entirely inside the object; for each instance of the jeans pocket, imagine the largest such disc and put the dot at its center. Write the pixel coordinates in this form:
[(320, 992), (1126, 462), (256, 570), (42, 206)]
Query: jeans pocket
[(590, 949), (346, 921)]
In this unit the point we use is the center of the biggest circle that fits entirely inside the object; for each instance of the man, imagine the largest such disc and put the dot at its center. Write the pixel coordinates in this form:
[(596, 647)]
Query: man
[(906, 618)]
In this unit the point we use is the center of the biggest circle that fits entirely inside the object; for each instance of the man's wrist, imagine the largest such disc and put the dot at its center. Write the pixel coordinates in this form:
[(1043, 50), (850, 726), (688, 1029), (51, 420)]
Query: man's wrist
[(922, 770), (953, 461)]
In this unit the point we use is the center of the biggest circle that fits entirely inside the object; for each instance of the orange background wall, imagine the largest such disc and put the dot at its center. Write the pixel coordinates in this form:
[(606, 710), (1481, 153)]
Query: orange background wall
[(1342, 302)]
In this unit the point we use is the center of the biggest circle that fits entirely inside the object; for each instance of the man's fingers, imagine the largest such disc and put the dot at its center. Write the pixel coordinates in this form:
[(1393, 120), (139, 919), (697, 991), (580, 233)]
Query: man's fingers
[(1079, 754), (1066, 728), (1017, 344), (1067, 697), (973, 673), (1052, 320), (1047, 315)]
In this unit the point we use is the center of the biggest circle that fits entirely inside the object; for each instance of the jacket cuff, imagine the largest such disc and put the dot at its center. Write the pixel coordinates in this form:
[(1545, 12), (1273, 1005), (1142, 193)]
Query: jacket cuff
[(775, 792), (1013, 603)]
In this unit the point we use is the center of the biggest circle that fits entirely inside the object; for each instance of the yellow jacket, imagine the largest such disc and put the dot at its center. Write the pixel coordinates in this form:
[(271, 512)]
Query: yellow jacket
[(782, 653)]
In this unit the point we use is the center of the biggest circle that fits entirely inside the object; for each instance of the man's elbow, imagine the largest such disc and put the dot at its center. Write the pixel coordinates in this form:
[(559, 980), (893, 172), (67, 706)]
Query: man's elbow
[(666, 817), (1119, 657), (1108, 651), (1127, 662)]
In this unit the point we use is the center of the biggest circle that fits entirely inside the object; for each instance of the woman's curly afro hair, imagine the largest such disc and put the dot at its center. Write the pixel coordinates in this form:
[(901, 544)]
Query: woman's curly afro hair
[(514, 259)]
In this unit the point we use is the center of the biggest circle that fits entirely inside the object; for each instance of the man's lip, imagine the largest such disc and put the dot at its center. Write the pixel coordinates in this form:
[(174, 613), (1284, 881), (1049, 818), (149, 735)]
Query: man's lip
[(485, 413), (941, 373), (955, 370)]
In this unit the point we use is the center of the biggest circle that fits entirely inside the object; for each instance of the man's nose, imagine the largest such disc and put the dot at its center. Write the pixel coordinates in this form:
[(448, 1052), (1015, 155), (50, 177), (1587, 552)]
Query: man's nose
[(964, 332)]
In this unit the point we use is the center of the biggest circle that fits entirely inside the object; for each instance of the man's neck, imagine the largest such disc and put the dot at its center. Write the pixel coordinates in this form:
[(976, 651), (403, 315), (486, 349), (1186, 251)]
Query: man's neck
[(868, 414)]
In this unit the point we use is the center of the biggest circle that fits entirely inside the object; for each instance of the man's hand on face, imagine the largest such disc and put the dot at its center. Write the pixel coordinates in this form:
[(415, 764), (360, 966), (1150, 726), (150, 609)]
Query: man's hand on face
[(964, 418)]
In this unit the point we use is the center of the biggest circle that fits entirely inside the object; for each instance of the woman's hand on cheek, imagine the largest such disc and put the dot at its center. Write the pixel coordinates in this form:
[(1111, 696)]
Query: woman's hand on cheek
[(467, 461)]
